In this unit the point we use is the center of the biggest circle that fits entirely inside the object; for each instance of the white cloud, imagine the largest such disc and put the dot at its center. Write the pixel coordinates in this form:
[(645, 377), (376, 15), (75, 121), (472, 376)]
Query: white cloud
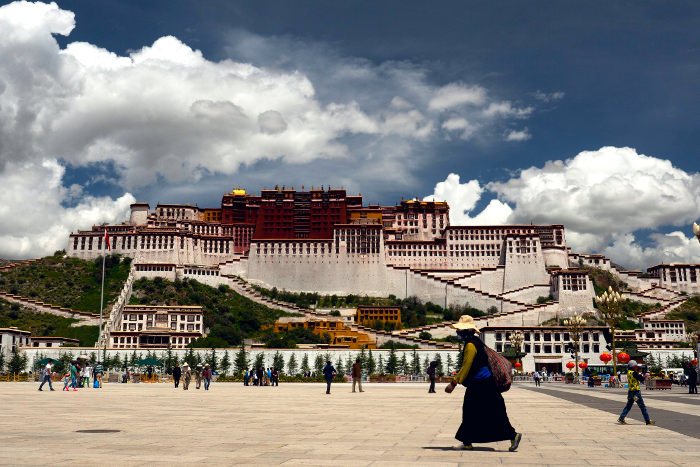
[(457, 94), (549, 97), (518, 135), (462, 199), (461, 125), (507, 109), (35, 220), (603, 198)]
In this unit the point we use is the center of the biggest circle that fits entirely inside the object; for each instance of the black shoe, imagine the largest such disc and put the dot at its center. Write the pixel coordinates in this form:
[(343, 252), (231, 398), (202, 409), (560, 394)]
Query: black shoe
[(40, 389), (51, 389)]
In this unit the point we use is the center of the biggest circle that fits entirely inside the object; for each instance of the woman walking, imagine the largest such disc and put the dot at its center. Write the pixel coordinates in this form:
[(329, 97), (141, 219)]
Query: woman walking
[(431, 374), (484, 417), (186, 376)]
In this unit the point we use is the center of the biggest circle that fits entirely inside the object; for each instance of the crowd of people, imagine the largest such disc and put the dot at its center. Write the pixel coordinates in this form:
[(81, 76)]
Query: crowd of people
[(261, 377), (77, 376)]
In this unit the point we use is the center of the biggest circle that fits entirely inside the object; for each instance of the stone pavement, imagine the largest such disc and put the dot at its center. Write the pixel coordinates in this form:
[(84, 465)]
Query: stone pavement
[(298, 424)]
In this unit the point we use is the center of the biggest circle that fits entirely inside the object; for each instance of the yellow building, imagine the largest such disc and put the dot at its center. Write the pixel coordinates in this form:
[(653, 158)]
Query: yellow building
[(211, 215), (334, 327), (367, 314)]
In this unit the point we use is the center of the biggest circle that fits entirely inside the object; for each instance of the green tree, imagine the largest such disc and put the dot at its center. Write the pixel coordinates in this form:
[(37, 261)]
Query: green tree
[(292, 365), (225, 363), (415, 363), (392, 363), (260, 360), (363, 357), (339, 367), (17, 362), (278, 361), (440, 370), (305, 368), (319, 364), (371, 364), (214, 362), (381, 369), (449, 363), (241, 362), (170, 360), (426, 363), (2, 362), (404, 366), (191, 358), (425, 335)]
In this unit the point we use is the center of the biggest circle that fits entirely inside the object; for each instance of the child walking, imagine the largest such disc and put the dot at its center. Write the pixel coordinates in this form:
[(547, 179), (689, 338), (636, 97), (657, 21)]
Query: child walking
[(634, 394)]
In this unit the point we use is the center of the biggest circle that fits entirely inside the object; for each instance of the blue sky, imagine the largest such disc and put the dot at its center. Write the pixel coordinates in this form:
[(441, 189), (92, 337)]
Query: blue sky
[(512, 111)]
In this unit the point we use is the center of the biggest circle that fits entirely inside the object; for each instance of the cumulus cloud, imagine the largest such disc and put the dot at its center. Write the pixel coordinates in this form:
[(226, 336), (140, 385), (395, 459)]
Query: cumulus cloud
[(457, 94), (518, 135), (603, 197), (33, 213)]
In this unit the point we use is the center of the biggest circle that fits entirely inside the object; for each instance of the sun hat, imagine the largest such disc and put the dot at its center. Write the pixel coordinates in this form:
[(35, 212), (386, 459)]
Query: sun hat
[(465, 322)]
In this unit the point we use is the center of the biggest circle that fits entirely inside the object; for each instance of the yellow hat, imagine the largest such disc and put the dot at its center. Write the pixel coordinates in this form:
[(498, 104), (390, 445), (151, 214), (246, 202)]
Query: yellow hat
[(465, 322)]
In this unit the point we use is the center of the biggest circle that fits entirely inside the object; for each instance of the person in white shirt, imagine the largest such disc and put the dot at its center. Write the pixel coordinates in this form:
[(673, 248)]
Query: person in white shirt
[(85, 374), (47, 375)]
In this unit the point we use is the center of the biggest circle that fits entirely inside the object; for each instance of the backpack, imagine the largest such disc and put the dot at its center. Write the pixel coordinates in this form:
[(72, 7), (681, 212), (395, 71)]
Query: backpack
[(501, 369)]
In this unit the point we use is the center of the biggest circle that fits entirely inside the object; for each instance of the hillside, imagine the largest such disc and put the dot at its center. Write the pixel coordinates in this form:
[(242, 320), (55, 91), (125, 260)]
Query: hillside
[(229, 317), (688, 311), (67, 282), (45, 324)]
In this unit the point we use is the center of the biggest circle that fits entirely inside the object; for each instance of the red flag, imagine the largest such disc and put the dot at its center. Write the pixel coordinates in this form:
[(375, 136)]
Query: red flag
[(107, 240)]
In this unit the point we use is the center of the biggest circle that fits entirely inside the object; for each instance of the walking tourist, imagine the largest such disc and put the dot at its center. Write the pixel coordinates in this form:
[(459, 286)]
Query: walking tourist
[(536, 377), (207, 377), (275, 377), (484, 417), (85, 374), (66, 381), (259, 376), (186, 376), (692, 379), (99, 374), (328, 373), (46, 375), (246, 377), (634, 394), (74, 372), (431, 374), (357, 375), (198, 375), (177, 373)]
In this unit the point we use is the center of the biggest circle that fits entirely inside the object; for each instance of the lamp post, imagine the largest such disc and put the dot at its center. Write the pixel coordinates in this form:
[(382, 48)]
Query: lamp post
[(610, 306), (575, 326), (516, 340), (696, 230)]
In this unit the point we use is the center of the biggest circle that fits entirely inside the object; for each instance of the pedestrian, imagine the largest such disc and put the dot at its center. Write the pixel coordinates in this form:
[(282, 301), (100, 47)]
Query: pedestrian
[(266, 376), (328, 373), (484, 416), (692, 379), (177, 373), (85, 375), (259, 376), (207, 377), (66, 381), (431, 374), (198, 375), (246, 377), (536, 377), (46, 375), (74, 372), (99, 374), (186, 376), (275, 377), (357, 375), (149, 372), (634, 394)]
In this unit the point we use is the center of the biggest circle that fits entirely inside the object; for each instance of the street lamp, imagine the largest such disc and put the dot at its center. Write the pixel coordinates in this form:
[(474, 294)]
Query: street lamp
[(516, 340), (610, 306), (696, 230), (575, 326)]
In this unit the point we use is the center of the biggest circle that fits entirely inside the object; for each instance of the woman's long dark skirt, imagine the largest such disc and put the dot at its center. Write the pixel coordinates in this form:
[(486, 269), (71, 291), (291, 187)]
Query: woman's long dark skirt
[(484, 417)]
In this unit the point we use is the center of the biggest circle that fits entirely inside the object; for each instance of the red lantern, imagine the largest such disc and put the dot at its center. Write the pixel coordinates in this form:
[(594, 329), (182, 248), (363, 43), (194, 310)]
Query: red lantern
[(605, 357), (518, 365), (623, 358), (570, 365), (583, 365)]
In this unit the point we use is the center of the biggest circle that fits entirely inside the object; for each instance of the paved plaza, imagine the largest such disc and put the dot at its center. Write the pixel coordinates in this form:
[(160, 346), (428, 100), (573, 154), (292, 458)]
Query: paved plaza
[(298, 424)]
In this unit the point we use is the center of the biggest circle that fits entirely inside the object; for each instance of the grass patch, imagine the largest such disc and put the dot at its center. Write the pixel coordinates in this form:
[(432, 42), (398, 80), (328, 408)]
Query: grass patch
[(688, 311), (45, 324), (68, 282)]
